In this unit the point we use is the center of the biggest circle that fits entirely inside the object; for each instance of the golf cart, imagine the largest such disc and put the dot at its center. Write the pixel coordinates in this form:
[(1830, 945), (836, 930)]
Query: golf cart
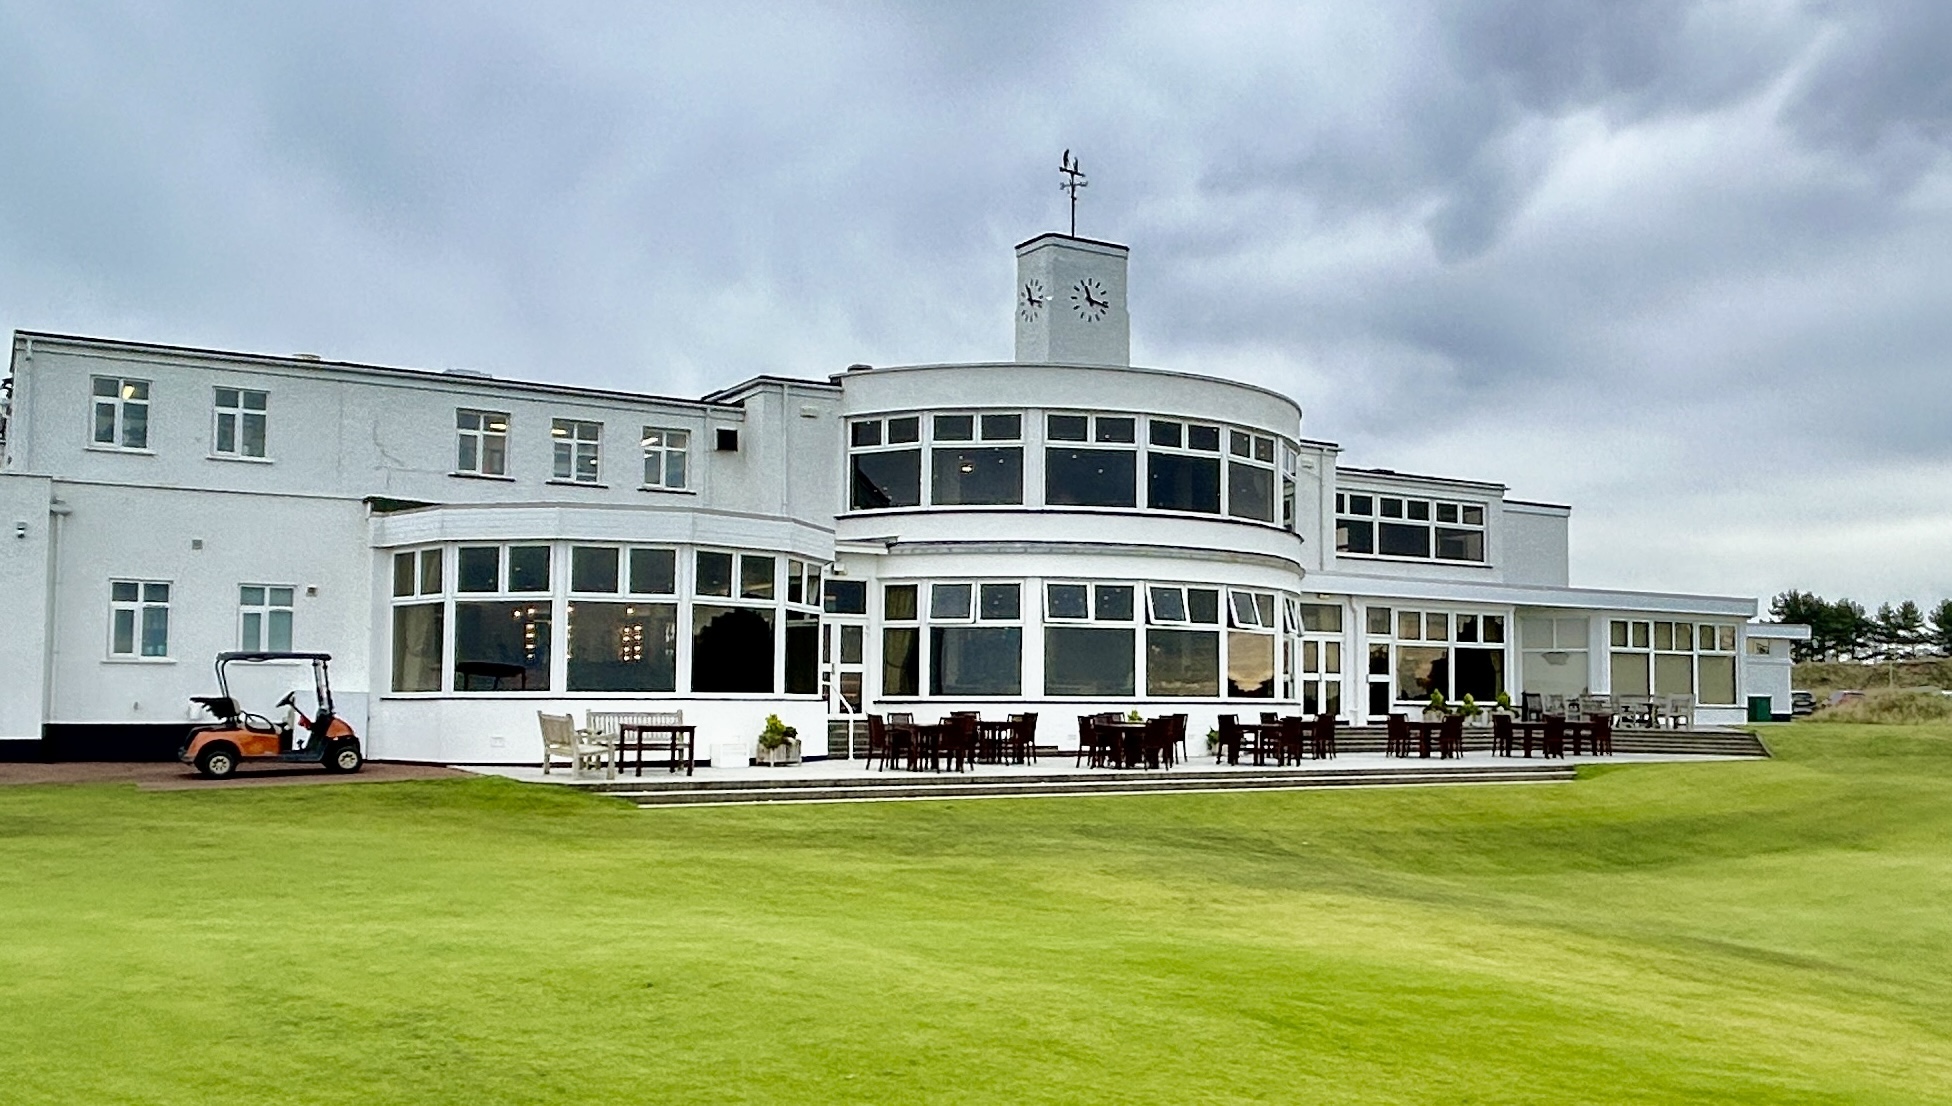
[(217, 748)]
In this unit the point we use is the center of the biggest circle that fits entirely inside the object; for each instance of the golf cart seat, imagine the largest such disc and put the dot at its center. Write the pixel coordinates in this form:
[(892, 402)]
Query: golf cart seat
[(223, 706)]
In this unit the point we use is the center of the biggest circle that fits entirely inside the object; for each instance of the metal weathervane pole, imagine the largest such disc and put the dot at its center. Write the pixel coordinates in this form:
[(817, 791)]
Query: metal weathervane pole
[(1074, 180)]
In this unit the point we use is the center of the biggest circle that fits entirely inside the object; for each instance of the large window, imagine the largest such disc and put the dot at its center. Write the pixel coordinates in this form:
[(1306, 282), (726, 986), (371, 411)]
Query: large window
[(1458, 653), (803, 628), (665, 458), (976, 638), (901, 640), (976, 460), (617, 640), (264, 613), (1182, 466), (1250, 644), (578, 449), (138, 618), (732, 642), (482, 442), (418, 620), (1090, 640), (885, 457), (1394, 526), (1674, 658), (240, 422), (1250, 476), (1091, 461), (1556, 651), (1182, 641), (121, 412)]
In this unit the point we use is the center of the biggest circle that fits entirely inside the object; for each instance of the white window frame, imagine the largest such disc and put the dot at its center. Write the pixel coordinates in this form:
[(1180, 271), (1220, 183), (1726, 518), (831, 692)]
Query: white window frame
[(120, 399), (1433, 510), (572, 442), (667, 458), (1153, 618), (238, 413), (263, 611), (138, 611), (480, 433)]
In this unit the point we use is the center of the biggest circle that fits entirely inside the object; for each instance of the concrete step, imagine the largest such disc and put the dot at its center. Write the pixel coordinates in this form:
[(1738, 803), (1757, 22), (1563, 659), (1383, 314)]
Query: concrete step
[(923, 788)]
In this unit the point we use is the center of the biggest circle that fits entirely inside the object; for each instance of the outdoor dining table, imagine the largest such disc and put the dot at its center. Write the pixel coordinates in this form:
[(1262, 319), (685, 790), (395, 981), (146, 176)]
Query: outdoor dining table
[(1427, 731), (635, 737), (1128, 748), (1576, 733)]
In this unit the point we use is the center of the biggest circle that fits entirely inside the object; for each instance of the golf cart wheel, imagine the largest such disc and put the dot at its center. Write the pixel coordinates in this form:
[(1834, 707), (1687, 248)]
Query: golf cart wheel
[(217, 762), (344, 757)]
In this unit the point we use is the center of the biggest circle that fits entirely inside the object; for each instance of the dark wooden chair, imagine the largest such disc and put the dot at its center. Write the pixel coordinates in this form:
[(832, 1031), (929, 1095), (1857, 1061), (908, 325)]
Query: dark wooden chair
[(1231, 738), (956, 746), (1294, 739), (1322, 737), (1178, 736), (1501, 735), (1602, 736), (1531, 706), (1023, 738), (1553, 744), (1092, 744), (1450, 737), (1397, 741), (877, 741)]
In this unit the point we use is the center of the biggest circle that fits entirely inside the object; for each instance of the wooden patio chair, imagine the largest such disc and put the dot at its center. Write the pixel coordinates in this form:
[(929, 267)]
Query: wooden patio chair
[(1231, 738), (583, 749), (1396, 740), (1531, 706), (1450, 737), (1602, 736), (1322, 737), (1553, 744), (1501, 735), (877, 742)]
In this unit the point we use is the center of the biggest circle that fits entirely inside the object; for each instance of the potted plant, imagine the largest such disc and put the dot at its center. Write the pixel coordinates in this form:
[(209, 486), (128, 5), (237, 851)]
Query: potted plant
[(1503, 705), (779, 743), (1437, 708), (1470, 709), (1134, 716)]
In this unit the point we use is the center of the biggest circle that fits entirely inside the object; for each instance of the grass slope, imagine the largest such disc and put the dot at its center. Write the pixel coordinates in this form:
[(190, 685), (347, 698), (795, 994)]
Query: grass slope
[(1723, 932)]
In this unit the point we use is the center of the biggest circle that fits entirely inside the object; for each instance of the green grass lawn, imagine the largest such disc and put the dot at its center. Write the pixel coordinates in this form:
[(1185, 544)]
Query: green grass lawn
[(1774, 932)]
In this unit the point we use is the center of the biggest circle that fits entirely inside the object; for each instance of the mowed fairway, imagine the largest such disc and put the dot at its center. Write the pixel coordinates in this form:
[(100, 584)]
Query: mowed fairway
[(1774, 932)]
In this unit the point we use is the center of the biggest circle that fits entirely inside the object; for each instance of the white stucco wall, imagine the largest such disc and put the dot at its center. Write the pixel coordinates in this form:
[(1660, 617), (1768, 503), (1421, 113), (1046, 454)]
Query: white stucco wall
[(25, 529)]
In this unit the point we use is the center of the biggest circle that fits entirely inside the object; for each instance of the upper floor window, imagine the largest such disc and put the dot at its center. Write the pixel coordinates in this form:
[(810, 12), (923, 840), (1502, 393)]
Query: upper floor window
[(483, 442), (1091, 460), (1395, 526), (976, 460), (578, 446), (665, 457), (1250, 476), (1182, 466), (240, 422), (885, 460), (264, 614), (121, 409), (138, 618)]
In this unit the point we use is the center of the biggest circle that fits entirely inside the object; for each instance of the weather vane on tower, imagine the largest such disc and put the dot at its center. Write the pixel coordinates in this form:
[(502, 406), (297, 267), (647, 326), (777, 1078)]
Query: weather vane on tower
[(1074, 180)]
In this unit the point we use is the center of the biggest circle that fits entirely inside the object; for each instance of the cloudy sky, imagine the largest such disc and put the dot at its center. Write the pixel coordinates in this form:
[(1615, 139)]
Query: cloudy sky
[(1685, 266)]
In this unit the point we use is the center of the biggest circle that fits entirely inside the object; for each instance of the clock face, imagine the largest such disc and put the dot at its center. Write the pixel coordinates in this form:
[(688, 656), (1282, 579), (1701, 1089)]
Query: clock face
[(1090, 300), (1031, 299)]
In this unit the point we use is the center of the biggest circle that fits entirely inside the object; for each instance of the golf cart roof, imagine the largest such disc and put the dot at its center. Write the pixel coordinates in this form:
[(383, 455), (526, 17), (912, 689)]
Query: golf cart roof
[(225, 658)]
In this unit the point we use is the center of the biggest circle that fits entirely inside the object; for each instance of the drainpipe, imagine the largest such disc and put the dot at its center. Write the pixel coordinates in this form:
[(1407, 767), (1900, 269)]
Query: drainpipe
[(56, 512)]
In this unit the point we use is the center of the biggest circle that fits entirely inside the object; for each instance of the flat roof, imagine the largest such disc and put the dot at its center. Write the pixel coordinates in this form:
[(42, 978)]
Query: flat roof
[(1392, 474), (1787, 631)]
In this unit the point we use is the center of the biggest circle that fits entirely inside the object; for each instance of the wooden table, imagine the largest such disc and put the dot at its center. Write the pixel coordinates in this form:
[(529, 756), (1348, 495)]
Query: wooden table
[(635, 737), (1128, 746), (1575, 732)]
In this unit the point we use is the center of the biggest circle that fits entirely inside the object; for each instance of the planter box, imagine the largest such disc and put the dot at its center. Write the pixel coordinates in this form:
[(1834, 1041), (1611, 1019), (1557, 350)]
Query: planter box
[(784, 755)]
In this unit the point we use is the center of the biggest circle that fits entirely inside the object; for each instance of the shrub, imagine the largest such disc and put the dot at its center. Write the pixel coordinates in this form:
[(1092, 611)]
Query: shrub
[(1900, 707)]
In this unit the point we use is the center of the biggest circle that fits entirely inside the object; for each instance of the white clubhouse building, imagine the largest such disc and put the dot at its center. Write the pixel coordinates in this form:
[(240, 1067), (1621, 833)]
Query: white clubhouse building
[(1063, 533)]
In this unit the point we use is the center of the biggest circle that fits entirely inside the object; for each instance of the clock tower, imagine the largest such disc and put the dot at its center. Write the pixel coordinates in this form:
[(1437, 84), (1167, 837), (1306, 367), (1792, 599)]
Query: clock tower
[(1070, 302)]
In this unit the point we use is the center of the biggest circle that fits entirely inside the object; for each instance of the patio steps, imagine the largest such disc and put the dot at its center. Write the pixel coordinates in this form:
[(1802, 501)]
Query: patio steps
[(899, 786)]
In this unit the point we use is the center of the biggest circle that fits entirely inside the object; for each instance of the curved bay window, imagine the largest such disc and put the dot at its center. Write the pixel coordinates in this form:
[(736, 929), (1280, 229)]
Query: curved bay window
[(976, 460), (1091, 461), (1182, 466), (502, 639), (732, 642), (1250, 645), (1182, 641), (885, 461), (1090, 641), (628, 640), (976, 638)]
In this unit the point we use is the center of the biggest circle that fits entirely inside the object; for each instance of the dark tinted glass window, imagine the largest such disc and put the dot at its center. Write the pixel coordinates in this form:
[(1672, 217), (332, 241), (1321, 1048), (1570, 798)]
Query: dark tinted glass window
[(501, 646), (1090, 477), (891, 479), (847, 597), (1202, 605), (901, 661), (977, 475), (1166, 433), (1355, 535), (1002, 428), (1396, 539), (1179, 483), (1460, 545), (1250, 492), (1114, 603), (898, 602), (907, 429), (623, 646), (975, 660), (1182, 662), (1203, 437), (653, 572), (955, 428), (1088, 660), (528, 568), (592, 568), (731, 649), (714, 574), (867, 433), (1066, 601), (802, 654), (1117, 430), (1066, 428), (480, 568), (755, 577), (999, 602)]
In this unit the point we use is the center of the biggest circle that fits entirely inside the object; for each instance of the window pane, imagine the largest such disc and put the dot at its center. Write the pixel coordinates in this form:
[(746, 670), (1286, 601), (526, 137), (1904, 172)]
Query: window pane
[(1066, 601), (226, 433), (107, 386), (1630, 675), (1203, 605), (278, 597), (977, 476), (1467, 627), (123, 635), (250, 636), (1355, 535), (1460, 545), (1203, 437), (1727, 636), (847, 597), (756, 576), (901, 661), (1264, 450), (1390, 507), (155, 593), (105, 423), (898, 602), (714, 574), (1673, 674), (1436, 627), (1397, 539), (278, 631), (890, 479), (592, 568), (464, 460), (501, 646), (623, 647), (1619, 635), (1088, 660), (155, 631), (1250, 665), (949, 601), (1717, 680), (955, 428), (853, 642), (1240, 445), (1409, 625), (253, 435), (1182, 663), (1480, 674), (135, 425), (494, 454), (1418, 509), (227, 397), (1166, 433), (907, 429), (1640, 635), (1421, 669), (1663, 635), (1379, 621), (430, 572), (250, 596), (403, 573), (1117, 430), (653, 572), (480, 568), (867, 432), (975, 660), (1114, 602), (1168, 605), (802, 653), (1179, 483), (417, 647), (731, 649), (1493, 627), (1326, 618), (1066, 428), (122, 591), (1250, 492), (1002, 428), (1091, 477), (1473, 516), (528, 568), (675, 473), (1000, 602)]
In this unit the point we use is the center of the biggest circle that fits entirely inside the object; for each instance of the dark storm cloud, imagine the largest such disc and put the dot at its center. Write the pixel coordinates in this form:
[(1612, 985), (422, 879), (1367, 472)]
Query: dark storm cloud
[(1682, 264)]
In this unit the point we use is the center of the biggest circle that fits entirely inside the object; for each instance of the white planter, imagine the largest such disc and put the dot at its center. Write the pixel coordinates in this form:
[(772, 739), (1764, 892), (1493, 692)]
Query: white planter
[(736, 754)]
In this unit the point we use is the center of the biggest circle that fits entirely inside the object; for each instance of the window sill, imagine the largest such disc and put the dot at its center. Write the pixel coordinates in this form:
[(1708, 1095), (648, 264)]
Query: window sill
[(138, 660), (238, 457), (576, 484), (98, 447), (666, 491), (483, 476)]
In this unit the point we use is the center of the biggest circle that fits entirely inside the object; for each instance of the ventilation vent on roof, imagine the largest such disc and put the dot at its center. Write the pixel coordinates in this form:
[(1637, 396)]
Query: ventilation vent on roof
[(728, 440), (859, 368)]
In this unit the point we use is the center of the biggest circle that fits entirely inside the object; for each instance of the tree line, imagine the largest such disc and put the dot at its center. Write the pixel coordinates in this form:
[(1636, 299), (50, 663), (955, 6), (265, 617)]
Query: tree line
[(1842, 630)]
